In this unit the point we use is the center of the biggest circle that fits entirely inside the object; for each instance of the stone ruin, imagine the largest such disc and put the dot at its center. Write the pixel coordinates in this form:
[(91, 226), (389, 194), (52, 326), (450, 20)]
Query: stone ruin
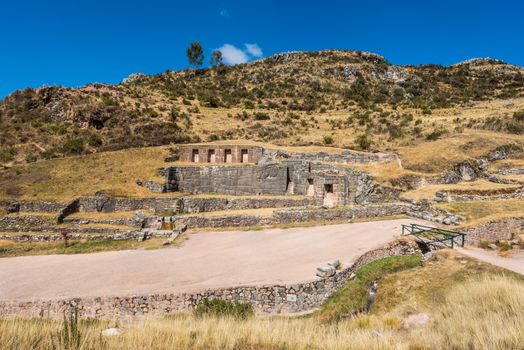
[(254, 170)]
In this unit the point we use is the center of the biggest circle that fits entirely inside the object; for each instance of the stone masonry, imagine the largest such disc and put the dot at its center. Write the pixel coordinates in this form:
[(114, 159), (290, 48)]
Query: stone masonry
[(272, 299)]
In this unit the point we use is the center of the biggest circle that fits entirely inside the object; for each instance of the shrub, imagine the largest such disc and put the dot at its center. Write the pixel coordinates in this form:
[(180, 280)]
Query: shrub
[(519, 116), (7, 155), (74, 145), (223, 308), (328, 139), (363, 141), (261, 116), (435, 135), (504, 246), (31, 158)]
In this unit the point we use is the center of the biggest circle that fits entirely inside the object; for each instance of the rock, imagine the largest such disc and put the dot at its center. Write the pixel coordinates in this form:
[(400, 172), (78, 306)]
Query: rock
[(466, 171), (171, 238), (492, 246), (110, 332), (428, 255), (415, 320), (446, 221), (13, 208), (325, 271), (335, 263)]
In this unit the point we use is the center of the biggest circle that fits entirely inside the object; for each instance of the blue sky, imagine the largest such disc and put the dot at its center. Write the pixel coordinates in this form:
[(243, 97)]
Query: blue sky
[(71, 43)]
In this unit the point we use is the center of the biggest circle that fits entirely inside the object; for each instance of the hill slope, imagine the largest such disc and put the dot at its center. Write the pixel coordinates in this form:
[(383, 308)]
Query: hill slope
[(348, 98)]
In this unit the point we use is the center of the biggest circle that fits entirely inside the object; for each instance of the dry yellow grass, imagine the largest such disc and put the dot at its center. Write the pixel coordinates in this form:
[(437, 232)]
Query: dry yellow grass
[(64, 179), (384, 172), (436, 156), (428, 191), (478, 212)]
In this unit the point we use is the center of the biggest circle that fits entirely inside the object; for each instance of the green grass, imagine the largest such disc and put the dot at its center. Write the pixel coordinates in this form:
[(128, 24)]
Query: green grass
[(223, 308), (353, 297)]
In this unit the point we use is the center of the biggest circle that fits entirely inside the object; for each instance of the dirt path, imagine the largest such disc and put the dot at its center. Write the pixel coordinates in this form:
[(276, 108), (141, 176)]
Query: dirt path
[(514, 263), (205, 260)]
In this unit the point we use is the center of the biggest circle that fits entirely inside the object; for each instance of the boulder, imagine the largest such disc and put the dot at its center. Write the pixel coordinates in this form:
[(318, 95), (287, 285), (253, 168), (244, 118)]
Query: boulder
[(335, 263), (13, 208), (325, 271)]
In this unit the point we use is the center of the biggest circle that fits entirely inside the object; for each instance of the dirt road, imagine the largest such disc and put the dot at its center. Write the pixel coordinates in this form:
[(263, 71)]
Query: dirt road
[(514, 263), (205, 260)]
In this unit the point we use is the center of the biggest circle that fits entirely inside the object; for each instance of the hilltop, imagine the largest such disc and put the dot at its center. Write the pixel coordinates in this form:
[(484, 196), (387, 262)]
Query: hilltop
[(344, 98)]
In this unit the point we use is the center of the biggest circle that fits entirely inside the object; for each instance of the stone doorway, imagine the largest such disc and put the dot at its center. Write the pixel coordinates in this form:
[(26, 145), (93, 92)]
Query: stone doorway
[(228, 157), (329, 196), (310, 190), (244, 156), (211, 158), (195, 156)]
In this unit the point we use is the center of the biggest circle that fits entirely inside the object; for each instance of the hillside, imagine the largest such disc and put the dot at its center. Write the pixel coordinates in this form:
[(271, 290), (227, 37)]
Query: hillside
[(344, 98)]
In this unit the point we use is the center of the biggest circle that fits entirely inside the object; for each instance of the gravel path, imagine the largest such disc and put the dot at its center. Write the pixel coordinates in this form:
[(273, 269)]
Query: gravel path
[(205, 260), (514, 263)]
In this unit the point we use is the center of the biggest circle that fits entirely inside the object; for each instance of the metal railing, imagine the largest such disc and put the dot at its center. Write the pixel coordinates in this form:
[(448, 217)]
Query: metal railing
[(429, 234)]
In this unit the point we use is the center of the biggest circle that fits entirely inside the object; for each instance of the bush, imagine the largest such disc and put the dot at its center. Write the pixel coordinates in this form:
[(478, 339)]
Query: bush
[(261, 116), (223, 308), (328, 139), (519, 116), (435, 135), (363, 142), (7, 155), (74, 145)]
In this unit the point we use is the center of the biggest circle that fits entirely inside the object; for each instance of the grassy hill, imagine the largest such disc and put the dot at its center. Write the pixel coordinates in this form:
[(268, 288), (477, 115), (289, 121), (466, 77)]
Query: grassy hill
[(345, 98)]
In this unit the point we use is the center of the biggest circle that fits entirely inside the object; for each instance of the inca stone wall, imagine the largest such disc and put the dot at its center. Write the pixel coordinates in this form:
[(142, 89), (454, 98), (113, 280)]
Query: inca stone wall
[(346, 156), (273, 299), (235, 180), (213, 153), (505, 229)]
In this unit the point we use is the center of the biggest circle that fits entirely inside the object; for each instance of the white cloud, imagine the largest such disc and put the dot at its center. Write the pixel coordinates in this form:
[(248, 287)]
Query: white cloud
[(233, 55), (254, 50)]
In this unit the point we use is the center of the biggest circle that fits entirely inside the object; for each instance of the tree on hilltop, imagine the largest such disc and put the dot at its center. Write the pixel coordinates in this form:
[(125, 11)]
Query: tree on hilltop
[(216, 58), (195, 54)]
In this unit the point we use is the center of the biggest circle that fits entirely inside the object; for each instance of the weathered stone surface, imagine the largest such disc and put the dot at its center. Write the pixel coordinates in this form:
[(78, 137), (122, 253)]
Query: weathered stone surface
[(505, 229), (326, 271)]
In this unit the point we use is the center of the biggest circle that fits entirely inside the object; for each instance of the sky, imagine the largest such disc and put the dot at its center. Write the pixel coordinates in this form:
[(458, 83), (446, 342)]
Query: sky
[(74, 42)]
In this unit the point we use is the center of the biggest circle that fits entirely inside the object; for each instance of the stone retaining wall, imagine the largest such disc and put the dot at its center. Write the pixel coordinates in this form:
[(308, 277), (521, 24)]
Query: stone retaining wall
[(450, 196), (273, 299), (346, 156), (506, 229)]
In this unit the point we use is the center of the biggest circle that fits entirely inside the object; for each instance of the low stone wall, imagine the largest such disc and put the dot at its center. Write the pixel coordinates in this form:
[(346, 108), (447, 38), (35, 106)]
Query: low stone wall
[(505, 229), (108, 205), (286, 216), (53, 237), (506, 193), (188, 204), (346, 156), (207, 204), (273, 299), (39, 206)]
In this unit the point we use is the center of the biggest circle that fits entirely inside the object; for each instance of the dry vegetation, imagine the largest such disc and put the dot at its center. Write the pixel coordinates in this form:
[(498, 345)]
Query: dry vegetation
[(113, 172), (478, 212), (344, 98), (428, 191), (470, 305)]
